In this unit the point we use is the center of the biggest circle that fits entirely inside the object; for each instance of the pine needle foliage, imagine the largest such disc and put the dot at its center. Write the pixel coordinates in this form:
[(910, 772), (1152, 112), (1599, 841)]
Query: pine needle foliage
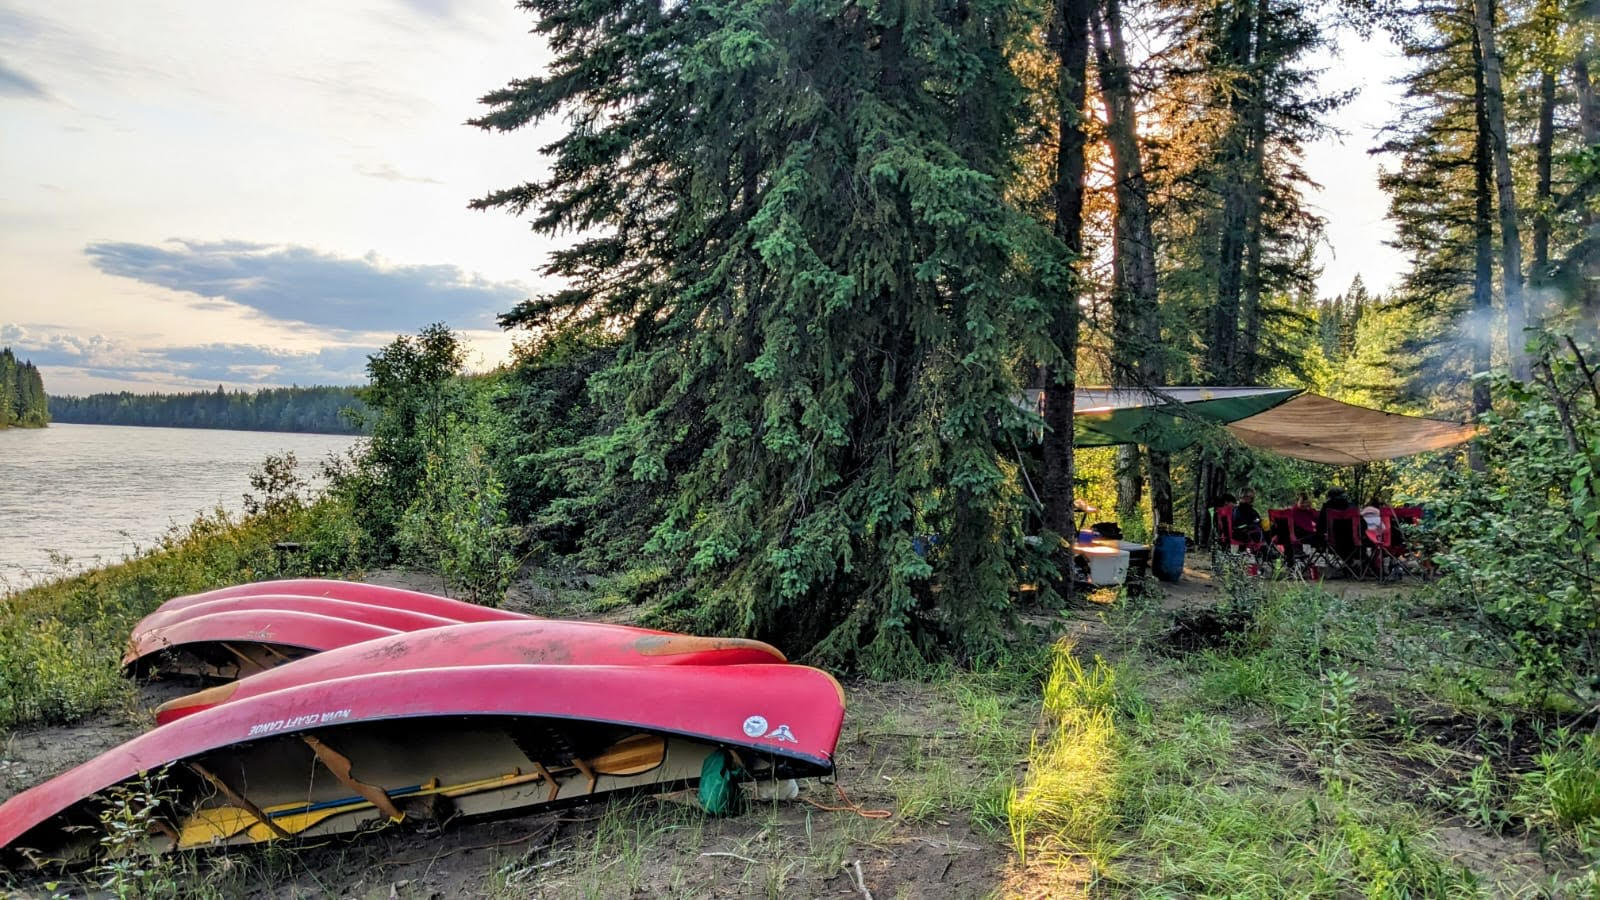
[(795, 217)]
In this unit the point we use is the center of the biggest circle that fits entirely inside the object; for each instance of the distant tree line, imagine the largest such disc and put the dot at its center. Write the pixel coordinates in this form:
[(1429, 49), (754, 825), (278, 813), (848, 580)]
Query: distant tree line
[(306, 409), (22, 398)]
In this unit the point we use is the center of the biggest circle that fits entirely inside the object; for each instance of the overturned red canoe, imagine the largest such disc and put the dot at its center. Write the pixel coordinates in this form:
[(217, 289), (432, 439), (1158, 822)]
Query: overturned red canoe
[(234, 632), (332, 756), (348, 591), (536, 641)]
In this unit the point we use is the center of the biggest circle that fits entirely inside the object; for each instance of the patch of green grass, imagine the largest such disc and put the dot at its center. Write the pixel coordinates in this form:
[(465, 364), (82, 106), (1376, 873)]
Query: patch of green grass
[(61, 643), (1562, 794), (1066, 802)]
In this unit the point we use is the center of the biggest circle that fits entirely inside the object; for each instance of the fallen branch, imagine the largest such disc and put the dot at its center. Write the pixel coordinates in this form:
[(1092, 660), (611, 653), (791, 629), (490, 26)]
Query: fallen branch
[(731, 855)]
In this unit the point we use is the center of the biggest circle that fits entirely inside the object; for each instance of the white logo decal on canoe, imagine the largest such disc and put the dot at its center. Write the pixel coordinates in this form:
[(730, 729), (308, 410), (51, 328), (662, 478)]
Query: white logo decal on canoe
[(303, 721), (755, 726), (782, 733)]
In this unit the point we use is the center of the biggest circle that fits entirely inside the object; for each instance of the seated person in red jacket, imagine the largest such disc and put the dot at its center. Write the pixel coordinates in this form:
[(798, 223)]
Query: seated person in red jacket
[(1304, 516)]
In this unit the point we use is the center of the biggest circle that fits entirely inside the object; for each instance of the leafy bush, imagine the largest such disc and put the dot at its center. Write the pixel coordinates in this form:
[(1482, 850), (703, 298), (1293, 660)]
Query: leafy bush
[(414, 394), (458, 523), (1522, 531)]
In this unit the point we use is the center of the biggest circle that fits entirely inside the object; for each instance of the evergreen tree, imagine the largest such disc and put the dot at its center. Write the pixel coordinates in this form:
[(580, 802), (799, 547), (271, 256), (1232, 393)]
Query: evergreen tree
[(797, 221), (22, 397)]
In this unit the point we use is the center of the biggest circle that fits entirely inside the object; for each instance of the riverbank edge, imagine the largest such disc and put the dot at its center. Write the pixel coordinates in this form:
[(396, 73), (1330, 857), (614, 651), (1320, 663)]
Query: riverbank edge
[(61, 641)]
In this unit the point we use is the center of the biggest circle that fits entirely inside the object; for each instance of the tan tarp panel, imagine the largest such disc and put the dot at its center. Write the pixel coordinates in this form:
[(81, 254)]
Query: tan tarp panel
[(1324, 430)]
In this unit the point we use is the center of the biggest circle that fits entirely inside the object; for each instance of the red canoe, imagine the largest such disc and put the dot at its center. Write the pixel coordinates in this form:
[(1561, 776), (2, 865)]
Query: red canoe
[(235, 631), (349, 591), (333, 756), (537, 641)]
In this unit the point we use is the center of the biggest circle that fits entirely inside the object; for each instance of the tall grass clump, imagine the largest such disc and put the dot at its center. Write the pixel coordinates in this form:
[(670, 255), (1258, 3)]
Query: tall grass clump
[(1561, 795), (1067, 803)]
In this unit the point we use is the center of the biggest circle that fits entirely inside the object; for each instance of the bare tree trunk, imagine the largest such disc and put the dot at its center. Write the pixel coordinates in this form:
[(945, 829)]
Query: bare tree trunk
[(1250, 342), (1589, 130), (1236, 189), (1482, 314), (1510, 234), (1135, 305), (1070, 30), (1539, 271)]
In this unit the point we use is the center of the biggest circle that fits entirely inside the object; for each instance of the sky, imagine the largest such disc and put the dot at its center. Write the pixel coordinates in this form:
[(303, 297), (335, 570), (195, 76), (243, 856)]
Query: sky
[(255, 194)]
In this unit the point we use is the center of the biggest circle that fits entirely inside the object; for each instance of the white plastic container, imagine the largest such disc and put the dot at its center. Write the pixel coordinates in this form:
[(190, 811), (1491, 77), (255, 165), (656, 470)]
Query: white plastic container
[(1107, 565)]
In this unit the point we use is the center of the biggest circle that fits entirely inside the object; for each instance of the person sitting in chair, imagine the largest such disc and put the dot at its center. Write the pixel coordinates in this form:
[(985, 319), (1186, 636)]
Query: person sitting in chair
[(1372, 515), (1246, 521), (1304, 516), (1336, 500)]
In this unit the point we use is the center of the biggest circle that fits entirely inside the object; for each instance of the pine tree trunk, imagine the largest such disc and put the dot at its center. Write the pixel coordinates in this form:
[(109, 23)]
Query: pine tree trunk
[(1135, 305), (1236, 189), (1589, 131), (1248, 366), (1130, 482), (1071, 37), (1482, 314), (1160, 466), (1539, 271), (1510, 234)]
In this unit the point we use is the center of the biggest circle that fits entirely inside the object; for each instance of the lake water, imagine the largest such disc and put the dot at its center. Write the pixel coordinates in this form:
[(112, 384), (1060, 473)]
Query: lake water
[(94, 493)]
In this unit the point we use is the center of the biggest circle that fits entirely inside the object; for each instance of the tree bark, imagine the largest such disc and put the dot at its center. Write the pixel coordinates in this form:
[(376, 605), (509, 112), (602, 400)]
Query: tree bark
[(1481, 315), (1135, 302), (1070, 27), (1249, 364), (1510, 234), (1224, 351), (1539, 271)]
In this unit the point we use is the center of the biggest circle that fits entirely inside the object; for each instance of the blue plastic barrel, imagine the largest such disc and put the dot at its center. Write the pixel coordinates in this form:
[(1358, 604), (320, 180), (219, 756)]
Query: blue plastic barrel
[(1167, 558)]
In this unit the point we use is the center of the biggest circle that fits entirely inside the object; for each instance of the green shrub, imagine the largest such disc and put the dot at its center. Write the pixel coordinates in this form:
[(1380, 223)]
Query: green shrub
[(1522, 535), (457, 523)]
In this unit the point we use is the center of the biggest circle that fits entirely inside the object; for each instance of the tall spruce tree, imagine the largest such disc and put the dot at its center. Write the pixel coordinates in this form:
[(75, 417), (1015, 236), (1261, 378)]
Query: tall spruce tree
[(23, 403), (794, 215)]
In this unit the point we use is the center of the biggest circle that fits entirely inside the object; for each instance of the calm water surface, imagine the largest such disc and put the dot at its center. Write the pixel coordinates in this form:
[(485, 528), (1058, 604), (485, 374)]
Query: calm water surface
[(93, 493)]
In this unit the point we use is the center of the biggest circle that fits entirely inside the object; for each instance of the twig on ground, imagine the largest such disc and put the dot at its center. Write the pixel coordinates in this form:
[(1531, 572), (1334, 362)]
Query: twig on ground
[(860, 882), (948, 845), (732, 855)]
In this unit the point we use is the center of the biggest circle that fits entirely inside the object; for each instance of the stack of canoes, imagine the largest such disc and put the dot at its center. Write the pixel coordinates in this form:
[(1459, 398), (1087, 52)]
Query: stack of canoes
[(338, 706)]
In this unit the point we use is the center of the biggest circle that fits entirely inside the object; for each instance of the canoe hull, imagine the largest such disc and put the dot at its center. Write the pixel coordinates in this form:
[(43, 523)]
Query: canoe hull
[(534, 641), (782, 720)]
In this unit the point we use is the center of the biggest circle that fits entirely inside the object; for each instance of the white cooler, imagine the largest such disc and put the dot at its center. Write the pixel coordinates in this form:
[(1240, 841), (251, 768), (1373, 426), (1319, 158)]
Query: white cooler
[(1107, 565)]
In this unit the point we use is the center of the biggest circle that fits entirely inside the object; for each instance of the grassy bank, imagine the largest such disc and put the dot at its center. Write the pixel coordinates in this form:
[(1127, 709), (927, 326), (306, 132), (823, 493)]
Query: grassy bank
[(1242, 739), (61, 643), (1323, 745)]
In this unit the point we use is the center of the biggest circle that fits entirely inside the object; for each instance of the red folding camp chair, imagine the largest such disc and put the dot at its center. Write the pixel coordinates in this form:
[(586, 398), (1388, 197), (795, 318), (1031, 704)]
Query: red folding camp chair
[(1226, 541), (1392, 556), (1222, 528), (1346, 545), (1284, 538)]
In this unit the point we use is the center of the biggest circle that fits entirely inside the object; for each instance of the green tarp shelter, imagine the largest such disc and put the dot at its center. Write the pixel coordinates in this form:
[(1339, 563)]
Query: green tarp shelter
[(1287, 421)]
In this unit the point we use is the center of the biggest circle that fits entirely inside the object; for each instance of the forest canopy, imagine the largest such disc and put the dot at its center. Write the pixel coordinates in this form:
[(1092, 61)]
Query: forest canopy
[(318, 410), (22, 397), (815, 251)]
